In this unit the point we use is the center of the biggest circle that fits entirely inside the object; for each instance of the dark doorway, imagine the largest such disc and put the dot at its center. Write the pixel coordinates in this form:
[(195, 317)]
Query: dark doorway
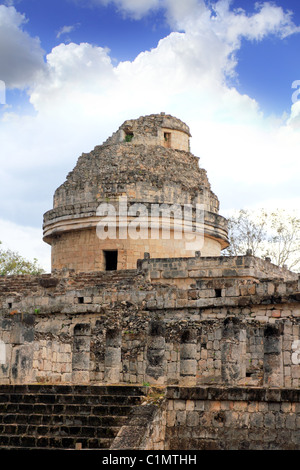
[(111, 260)]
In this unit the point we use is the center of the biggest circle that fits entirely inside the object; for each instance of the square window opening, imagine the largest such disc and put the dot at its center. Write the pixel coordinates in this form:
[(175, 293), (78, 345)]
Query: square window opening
[(218, 292), (111, 260), (128, 136)]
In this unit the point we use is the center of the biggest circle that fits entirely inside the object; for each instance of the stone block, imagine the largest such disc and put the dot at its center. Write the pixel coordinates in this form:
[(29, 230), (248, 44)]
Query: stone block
[(179, 405), (180, 418), (176, 274), (21, 364), (190, 405), (81, 361), (79, 377), (112, 357), (192, 418), (171, 418), (188, 367)]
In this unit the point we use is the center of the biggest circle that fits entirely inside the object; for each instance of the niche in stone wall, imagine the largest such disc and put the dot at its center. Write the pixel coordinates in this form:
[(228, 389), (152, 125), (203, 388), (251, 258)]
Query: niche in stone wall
[(112, 364), (128, 134), (233, 351), (97, 356), (254, 354), (273, 360), (188, 357), (81, 353), (156, 349)]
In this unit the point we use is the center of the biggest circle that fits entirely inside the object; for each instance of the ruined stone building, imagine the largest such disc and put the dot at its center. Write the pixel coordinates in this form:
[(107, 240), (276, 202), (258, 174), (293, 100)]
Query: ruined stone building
[(140, 296)]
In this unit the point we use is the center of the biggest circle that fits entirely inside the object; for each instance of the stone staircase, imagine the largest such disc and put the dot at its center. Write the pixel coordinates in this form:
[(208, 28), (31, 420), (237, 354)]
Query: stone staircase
[(64, 416)]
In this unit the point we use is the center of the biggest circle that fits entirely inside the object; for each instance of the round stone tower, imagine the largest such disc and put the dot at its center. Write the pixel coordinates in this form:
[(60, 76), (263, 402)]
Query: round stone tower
[(140, 191)]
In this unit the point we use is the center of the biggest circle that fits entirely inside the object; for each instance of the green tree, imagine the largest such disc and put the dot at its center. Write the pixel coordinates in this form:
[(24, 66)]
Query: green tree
[(12, 262), (267, 234)]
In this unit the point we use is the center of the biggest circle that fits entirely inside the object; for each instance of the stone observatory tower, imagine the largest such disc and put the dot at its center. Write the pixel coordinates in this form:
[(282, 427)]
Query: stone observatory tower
[(141, 191)]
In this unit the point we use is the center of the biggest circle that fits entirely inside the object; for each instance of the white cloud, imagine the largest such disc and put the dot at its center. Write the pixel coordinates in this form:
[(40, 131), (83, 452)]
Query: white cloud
[(21, 56), (66, 30), (269, 19), (133, 8), (137, 8), (73, 72), (82, 98)]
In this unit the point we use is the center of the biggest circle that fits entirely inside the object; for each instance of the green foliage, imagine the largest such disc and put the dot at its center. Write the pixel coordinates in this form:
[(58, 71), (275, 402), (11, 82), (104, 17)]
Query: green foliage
[(12, 263), (275, 235), (128, 137)]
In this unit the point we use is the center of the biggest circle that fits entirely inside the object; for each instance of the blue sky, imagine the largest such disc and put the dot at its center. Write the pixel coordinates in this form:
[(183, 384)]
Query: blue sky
[(126, 37), (74, 70)]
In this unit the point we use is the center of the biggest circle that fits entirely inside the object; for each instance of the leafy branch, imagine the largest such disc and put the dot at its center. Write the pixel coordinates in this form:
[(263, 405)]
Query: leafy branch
[(12, 263)]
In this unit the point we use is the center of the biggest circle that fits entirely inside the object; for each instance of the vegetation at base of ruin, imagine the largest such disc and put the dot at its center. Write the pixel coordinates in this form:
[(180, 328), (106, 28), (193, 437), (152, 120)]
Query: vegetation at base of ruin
[(12, 263), (155, 395), (268, 234)]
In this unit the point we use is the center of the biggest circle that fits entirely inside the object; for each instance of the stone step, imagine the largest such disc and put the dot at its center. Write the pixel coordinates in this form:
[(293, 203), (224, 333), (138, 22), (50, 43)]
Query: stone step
[(29, 409), (124, 390), (58, 431), (57, 420), (59, 417), (30, 398), (49, 442)]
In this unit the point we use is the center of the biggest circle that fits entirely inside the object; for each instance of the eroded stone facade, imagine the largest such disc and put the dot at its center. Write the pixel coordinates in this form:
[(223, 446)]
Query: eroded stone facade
[(153, 169), (216, 320), (216, 334)]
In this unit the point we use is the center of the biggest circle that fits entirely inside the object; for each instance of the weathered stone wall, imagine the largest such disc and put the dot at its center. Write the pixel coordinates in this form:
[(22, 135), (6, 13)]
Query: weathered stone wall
[(218, 418), (87, 348), (154, 129), (121, 327), (156, 173), (210, 271), (82, 250)]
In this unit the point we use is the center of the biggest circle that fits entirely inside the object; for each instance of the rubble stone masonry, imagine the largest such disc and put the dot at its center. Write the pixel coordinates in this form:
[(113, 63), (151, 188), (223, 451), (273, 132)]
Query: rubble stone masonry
[(236, 327), (152, 169), (218, 335)]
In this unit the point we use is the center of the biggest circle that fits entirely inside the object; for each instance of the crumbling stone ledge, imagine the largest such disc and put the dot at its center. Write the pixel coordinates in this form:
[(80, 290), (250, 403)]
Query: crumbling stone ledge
[(145, 428), (258, 394), (215, 418)]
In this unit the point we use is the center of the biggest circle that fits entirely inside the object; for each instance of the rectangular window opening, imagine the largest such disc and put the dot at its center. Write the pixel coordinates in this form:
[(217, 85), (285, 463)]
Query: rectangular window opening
[(80, 300), (167, 139), (218, 292), (111, 260)]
